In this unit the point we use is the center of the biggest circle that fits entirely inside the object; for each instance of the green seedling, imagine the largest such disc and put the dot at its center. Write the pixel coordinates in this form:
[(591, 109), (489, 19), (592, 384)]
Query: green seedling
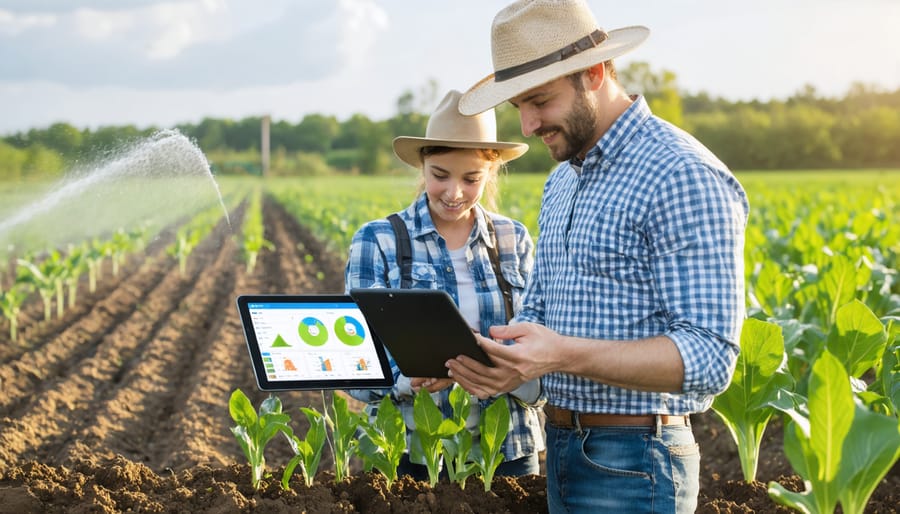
[(758, 377), (458, 445), (494, 427), (431, 429), (254, 431), (11, 302), (383, 440), (343, 425), (307, 452)]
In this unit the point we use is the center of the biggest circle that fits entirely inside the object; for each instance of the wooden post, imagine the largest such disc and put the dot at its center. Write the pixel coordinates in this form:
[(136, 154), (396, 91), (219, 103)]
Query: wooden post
[(264, 147)]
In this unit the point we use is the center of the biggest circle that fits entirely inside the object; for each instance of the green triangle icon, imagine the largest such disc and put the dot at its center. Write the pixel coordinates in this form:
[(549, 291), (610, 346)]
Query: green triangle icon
[(280, 342)]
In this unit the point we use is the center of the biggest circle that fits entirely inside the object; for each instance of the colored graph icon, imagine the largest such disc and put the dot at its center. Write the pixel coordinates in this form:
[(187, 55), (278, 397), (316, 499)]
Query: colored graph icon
[(312, 331), (325, 364), (349, 331), (280, 342)]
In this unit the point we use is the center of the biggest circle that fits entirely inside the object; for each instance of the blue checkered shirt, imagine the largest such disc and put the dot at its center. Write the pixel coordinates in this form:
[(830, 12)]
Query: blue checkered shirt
[(646, 239), (373, 263)]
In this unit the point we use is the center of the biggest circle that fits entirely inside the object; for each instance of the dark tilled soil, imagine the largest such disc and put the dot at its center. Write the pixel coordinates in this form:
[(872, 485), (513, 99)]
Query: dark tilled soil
[(122, 405)]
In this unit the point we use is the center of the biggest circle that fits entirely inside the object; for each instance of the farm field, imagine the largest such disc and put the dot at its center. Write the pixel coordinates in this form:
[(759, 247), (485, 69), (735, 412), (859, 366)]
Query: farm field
[(121, 402)]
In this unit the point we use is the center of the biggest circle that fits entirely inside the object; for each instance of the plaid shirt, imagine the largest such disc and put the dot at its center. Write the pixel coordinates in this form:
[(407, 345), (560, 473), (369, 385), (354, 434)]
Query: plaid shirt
[(373, 263), (645, 239)]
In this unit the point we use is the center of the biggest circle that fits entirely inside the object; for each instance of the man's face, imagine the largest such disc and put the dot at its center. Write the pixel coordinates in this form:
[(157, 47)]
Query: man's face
[(562, 115)]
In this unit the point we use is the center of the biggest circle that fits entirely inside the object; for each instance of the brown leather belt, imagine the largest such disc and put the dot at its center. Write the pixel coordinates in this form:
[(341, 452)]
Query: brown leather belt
[(565, 418)]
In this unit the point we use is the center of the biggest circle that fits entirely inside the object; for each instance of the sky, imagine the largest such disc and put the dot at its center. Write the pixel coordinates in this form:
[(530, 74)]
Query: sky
[(95, 63)]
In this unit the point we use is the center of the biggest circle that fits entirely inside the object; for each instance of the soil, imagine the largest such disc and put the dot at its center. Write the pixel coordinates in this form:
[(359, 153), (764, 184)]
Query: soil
[(122, 404)]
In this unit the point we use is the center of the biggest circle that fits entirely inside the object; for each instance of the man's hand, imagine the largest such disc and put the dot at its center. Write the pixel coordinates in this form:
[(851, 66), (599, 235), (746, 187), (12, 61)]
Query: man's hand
[(533, 354)]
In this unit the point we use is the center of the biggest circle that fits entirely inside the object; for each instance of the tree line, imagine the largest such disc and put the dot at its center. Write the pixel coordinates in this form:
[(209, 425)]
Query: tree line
[(804, 131)]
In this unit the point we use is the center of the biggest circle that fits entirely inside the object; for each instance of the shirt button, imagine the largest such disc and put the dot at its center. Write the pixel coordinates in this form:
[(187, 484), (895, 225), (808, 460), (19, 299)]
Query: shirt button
[(449, 269)]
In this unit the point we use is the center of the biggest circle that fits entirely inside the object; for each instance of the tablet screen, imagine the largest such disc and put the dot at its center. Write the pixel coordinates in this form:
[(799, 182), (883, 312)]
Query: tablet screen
[(311, 342)]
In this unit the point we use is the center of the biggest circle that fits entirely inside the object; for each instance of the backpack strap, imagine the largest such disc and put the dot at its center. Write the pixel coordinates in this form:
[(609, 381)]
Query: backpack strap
[(404, 250), (494, 255)]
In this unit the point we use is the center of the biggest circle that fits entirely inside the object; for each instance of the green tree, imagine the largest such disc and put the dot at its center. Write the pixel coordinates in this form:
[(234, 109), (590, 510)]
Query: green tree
[(12, 161), (659, 89), (315, 133), (41, 161)]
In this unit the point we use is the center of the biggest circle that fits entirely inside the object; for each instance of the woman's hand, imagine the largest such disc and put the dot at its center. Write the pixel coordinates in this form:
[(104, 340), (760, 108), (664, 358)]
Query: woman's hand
[(433, 385)]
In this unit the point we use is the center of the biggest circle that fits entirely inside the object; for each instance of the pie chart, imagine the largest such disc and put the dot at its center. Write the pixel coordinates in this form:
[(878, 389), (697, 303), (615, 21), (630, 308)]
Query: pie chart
[(312, 332), (349, 330)]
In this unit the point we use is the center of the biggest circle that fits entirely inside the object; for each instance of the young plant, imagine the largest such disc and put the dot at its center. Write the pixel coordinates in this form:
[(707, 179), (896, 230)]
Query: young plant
[(494, 427), (458, 445), (307, 452), (383, 440), (94, 253), (758, 377), (11, 302), (253, 232), (254, 431), (343, 425), (431, 429), (842, 450), (77, 264), (46, 277)]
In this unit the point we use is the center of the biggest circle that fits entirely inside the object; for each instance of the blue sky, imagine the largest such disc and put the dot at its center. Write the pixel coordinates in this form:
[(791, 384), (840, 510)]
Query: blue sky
[(148, 62)]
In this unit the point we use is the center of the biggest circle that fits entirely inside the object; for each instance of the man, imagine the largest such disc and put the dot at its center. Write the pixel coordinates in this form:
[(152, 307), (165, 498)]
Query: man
[(633, 312)]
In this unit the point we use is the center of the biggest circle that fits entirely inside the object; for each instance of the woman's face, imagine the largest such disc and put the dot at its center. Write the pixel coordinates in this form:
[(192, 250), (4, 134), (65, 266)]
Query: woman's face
[(454, 183)]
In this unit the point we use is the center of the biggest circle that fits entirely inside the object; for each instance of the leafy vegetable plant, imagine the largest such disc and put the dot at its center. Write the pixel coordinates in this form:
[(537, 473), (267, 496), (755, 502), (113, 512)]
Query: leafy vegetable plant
[(343, 425), (383, 440), (758, 377), (254, 431), (494, 427), (11, 302), (431, 428), (842, 449), (308, 451), (458, 445)]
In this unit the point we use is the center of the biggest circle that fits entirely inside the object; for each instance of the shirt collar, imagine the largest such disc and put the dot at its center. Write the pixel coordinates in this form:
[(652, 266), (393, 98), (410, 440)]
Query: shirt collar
[(423, 224), (619, 133)]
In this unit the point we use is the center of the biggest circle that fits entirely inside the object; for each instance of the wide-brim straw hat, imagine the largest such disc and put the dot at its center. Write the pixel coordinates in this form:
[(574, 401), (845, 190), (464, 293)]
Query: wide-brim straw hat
[(447, 127), (534, 42)]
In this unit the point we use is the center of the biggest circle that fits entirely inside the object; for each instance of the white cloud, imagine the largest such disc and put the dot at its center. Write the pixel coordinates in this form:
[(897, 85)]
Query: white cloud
[(12, 24), (189, 44)]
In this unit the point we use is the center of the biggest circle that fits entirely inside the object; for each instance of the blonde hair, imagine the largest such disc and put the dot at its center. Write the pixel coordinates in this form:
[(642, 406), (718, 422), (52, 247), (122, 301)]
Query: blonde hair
[(491, 191)]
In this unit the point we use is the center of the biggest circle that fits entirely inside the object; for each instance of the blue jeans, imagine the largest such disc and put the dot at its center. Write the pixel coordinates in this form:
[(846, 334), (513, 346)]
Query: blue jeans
[(622, 469)]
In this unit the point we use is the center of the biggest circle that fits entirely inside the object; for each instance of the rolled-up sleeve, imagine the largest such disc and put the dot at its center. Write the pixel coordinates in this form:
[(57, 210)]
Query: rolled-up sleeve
[(697, 232)]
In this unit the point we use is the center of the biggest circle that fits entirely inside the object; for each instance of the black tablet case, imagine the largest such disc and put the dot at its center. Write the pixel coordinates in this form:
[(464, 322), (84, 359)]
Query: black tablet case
[(422, 328)]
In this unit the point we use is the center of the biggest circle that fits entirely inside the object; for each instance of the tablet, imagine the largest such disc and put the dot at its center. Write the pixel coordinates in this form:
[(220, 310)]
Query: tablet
[(311, 342), (422, 328)]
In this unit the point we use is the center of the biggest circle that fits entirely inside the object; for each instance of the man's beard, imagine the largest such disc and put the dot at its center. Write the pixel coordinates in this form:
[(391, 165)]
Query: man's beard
[(581, 122)]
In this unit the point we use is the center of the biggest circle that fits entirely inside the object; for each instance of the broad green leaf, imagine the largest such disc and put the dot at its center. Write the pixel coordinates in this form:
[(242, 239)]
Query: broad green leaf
[(870, 451), (838, 284), (772, 287), (241, 409), (270, 405), (830, 413), (461, 403), (426, 413), (857, 338)]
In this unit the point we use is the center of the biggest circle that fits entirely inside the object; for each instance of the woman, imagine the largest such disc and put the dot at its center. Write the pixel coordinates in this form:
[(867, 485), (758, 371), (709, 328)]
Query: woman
[(451, 238)]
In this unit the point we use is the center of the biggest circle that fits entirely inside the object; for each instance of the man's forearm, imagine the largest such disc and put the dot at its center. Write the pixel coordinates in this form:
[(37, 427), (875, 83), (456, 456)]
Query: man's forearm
[(652, 364)]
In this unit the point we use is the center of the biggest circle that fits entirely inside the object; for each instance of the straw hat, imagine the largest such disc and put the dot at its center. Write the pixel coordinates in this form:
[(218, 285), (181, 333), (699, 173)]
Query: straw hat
[(447, 127), (537, 41)]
